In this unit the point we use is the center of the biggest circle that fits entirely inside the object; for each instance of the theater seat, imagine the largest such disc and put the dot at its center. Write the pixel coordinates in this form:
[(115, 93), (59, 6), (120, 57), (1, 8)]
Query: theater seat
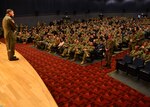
[(145, 72), (121, 64), (133, 68)]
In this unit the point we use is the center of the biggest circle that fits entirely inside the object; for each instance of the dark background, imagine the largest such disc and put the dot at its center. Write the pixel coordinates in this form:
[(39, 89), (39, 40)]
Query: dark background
[(47, 7)]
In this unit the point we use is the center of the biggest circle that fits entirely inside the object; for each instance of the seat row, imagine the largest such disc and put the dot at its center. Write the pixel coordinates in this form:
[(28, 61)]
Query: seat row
[(134, 66)]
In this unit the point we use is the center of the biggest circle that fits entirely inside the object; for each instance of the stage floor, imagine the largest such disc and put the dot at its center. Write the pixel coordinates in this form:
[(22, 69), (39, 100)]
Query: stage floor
[(20, 85)]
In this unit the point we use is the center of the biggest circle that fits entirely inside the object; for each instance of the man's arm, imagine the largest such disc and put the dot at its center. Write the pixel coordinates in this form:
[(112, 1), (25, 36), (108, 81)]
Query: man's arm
[(12, 23)]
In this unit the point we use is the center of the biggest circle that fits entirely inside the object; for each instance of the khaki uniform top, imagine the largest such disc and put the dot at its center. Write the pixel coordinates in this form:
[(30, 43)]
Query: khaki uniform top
[(110, 45), (8, 26), (145, 56)]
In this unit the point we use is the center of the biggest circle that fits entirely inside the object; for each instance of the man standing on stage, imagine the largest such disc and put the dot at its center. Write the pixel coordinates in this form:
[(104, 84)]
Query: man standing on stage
[(9, 27)]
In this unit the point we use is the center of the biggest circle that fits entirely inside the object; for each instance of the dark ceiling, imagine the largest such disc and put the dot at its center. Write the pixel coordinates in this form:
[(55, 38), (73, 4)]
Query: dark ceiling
[(39, 7)]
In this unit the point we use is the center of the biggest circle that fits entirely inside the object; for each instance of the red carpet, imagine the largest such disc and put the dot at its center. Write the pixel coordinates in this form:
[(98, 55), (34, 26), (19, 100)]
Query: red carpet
[(73, 85)]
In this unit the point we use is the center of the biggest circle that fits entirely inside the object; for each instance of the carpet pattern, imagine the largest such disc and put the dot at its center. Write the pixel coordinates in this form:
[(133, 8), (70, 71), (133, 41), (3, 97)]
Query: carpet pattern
[(73, 85)]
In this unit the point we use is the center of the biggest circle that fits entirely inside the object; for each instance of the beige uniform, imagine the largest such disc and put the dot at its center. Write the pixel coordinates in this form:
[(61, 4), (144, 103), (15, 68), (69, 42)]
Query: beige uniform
[(109, 51), (9, 35)]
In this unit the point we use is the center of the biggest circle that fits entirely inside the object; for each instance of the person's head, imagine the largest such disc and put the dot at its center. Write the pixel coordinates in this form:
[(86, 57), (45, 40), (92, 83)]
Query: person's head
[(10, 12), (136, 48)]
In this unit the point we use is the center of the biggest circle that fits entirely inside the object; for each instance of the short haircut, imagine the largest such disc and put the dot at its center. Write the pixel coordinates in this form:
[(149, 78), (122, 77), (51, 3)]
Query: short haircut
[(9, 10)]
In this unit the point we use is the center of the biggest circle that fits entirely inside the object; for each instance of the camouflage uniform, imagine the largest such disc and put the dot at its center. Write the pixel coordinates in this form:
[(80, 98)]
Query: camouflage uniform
[(137, 52), (65, 48), (51, 42), (78, 50), (87, 49), (37, 38), (109, 52)]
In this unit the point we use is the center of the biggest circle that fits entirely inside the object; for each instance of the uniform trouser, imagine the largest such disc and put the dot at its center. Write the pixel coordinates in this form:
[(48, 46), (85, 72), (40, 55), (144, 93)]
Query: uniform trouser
[(10, 45), (65, 52), (108, 58), (85, 55)]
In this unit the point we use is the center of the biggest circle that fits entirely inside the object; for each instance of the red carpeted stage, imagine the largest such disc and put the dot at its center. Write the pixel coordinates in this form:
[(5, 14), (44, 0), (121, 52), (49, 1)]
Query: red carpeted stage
[(20, 85)]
